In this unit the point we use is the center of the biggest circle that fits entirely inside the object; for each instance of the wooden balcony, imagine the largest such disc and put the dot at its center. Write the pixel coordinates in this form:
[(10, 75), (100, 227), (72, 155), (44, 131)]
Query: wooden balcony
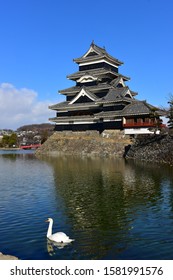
[(141, 124)]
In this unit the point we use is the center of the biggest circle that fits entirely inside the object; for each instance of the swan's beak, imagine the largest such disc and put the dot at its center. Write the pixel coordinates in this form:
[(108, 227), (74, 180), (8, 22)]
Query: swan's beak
[(46, 221)]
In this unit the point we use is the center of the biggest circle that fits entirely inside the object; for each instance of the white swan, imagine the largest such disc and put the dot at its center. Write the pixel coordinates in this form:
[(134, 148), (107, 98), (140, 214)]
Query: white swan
[(59, 237)]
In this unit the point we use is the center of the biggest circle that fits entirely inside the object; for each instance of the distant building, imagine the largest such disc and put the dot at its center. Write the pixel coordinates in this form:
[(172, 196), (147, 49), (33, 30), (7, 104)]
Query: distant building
[(101, 100)]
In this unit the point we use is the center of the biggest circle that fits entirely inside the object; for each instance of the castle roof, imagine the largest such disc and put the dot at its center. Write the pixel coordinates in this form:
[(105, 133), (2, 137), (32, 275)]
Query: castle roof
[(114, 95), (97, 73), (117, 94), (97, 53), (76, 89), (100, 99)]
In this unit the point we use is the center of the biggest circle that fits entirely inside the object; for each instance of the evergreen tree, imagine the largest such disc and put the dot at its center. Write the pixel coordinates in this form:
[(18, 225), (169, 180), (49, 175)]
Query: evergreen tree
[(157, 121), (9, 141), (5, 140), (13, 140)]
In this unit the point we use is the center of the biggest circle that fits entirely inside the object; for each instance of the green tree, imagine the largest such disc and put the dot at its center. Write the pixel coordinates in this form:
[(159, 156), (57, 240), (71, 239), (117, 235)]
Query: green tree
[(5, 140), (13, 140), (157, 121), (9, 141)]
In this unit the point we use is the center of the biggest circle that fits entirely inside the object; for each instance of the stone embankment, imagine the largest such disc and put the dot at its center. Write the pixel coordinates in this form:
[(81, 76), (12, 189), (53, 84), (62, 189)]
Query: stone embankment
[(110, 143), (7, 257), (89, 143), (154, 148)]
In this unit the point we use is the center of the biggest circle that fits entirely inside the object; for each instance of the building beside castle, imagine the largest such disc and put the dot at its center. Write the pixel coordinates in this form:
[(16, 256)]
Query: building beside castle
[(100, 98)]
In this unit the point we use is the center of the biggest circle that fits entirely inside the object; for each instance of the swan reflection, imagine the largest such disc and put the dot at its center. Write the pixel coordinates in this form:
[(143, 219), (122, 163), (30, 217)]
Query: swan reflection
[(52, 247)]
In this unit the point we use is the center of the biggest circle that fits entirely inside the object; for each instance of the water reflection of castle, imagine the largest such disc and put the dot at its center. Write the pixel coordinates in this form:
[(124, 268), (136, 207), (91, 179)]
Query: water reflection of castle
[(102, 195)]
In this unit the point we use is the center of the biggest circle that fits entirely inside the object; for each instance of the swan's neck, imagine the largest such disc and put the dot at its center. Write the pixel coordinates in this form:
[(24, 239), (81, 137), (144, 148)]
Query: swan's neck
[(49, 231)]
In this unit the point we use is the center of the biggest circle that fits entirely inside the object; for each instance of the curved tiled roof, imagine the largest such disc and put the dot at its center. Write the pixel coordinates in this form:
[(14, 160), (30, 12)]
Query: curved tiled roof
[(137, 107), (94, 88), (96, 73), (59, 105), (116, 95), (98, 53)]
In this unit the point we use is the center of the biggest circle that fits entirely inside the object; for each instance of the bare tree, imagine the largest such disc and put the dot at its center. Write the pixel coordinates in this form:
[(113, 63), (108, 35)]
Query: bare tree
[(170, 112)]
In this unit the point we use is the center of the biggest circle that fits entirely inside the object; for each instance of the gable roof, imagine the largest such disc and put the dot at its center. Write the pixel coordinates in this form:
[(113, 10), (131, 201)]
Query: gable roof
[(94, 53), (117, 95), (115, 82), (84, 92)]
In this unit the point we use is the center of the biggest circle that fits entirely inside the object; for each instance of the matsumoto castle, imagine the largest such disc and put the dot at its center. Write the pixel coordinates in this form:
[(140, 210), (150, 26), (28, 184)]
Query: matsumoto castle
[(100, 99)]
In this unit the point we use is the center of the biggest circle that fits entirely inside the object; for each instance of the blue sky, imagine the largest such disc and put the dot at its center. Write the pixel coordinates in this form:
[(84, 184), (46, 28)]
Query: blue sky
[(40, 38)]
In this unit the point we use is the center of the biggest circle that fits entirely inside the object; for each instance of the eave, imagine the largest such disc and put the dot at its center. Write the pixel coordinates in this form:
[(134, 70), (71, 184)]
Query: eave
[(72, 118), (76, 89), (59, 105), (96, 72), (74, 107), (94, 59), (84, 119)]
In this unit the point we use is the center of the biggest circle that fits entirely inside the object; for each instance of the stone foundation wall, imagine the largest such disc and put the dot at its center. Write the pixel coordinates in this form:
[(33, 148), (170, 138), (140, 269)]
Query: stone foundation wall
[(88, 143), (110, 143), (153, 148)]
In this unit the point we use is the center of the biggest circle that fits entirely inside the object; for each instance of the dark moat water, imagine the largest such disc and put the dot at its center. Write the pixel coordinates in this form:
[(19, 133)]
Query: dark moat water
[(112, 208)]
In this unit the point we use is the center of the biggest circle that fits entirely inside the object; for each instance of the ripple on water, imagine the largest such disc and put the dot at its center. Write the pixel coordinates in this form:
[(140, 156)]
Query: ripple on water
[(113, 209)]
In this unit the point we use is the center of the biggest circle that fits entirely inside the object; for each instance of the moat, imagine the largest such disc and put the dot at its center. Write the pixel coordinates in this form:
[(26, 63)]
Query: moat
[(113, 208)]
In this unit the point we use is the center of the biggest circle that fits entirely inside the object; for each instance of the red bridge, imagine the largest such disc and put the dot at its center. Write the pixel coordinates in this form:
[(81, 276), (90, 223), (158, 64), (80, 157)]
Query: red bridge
[(32, 146)]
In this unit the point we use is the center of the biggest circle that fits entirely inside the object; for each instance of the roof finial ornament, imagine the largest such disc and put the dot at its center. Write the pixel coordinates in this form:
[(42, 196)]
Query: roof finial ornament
[(92, 43)]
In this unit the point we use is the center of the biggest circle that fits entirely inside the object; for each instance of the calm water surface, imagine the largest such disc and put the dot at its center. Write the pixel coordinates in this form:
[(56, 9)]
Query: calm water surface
[(112, 208)]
